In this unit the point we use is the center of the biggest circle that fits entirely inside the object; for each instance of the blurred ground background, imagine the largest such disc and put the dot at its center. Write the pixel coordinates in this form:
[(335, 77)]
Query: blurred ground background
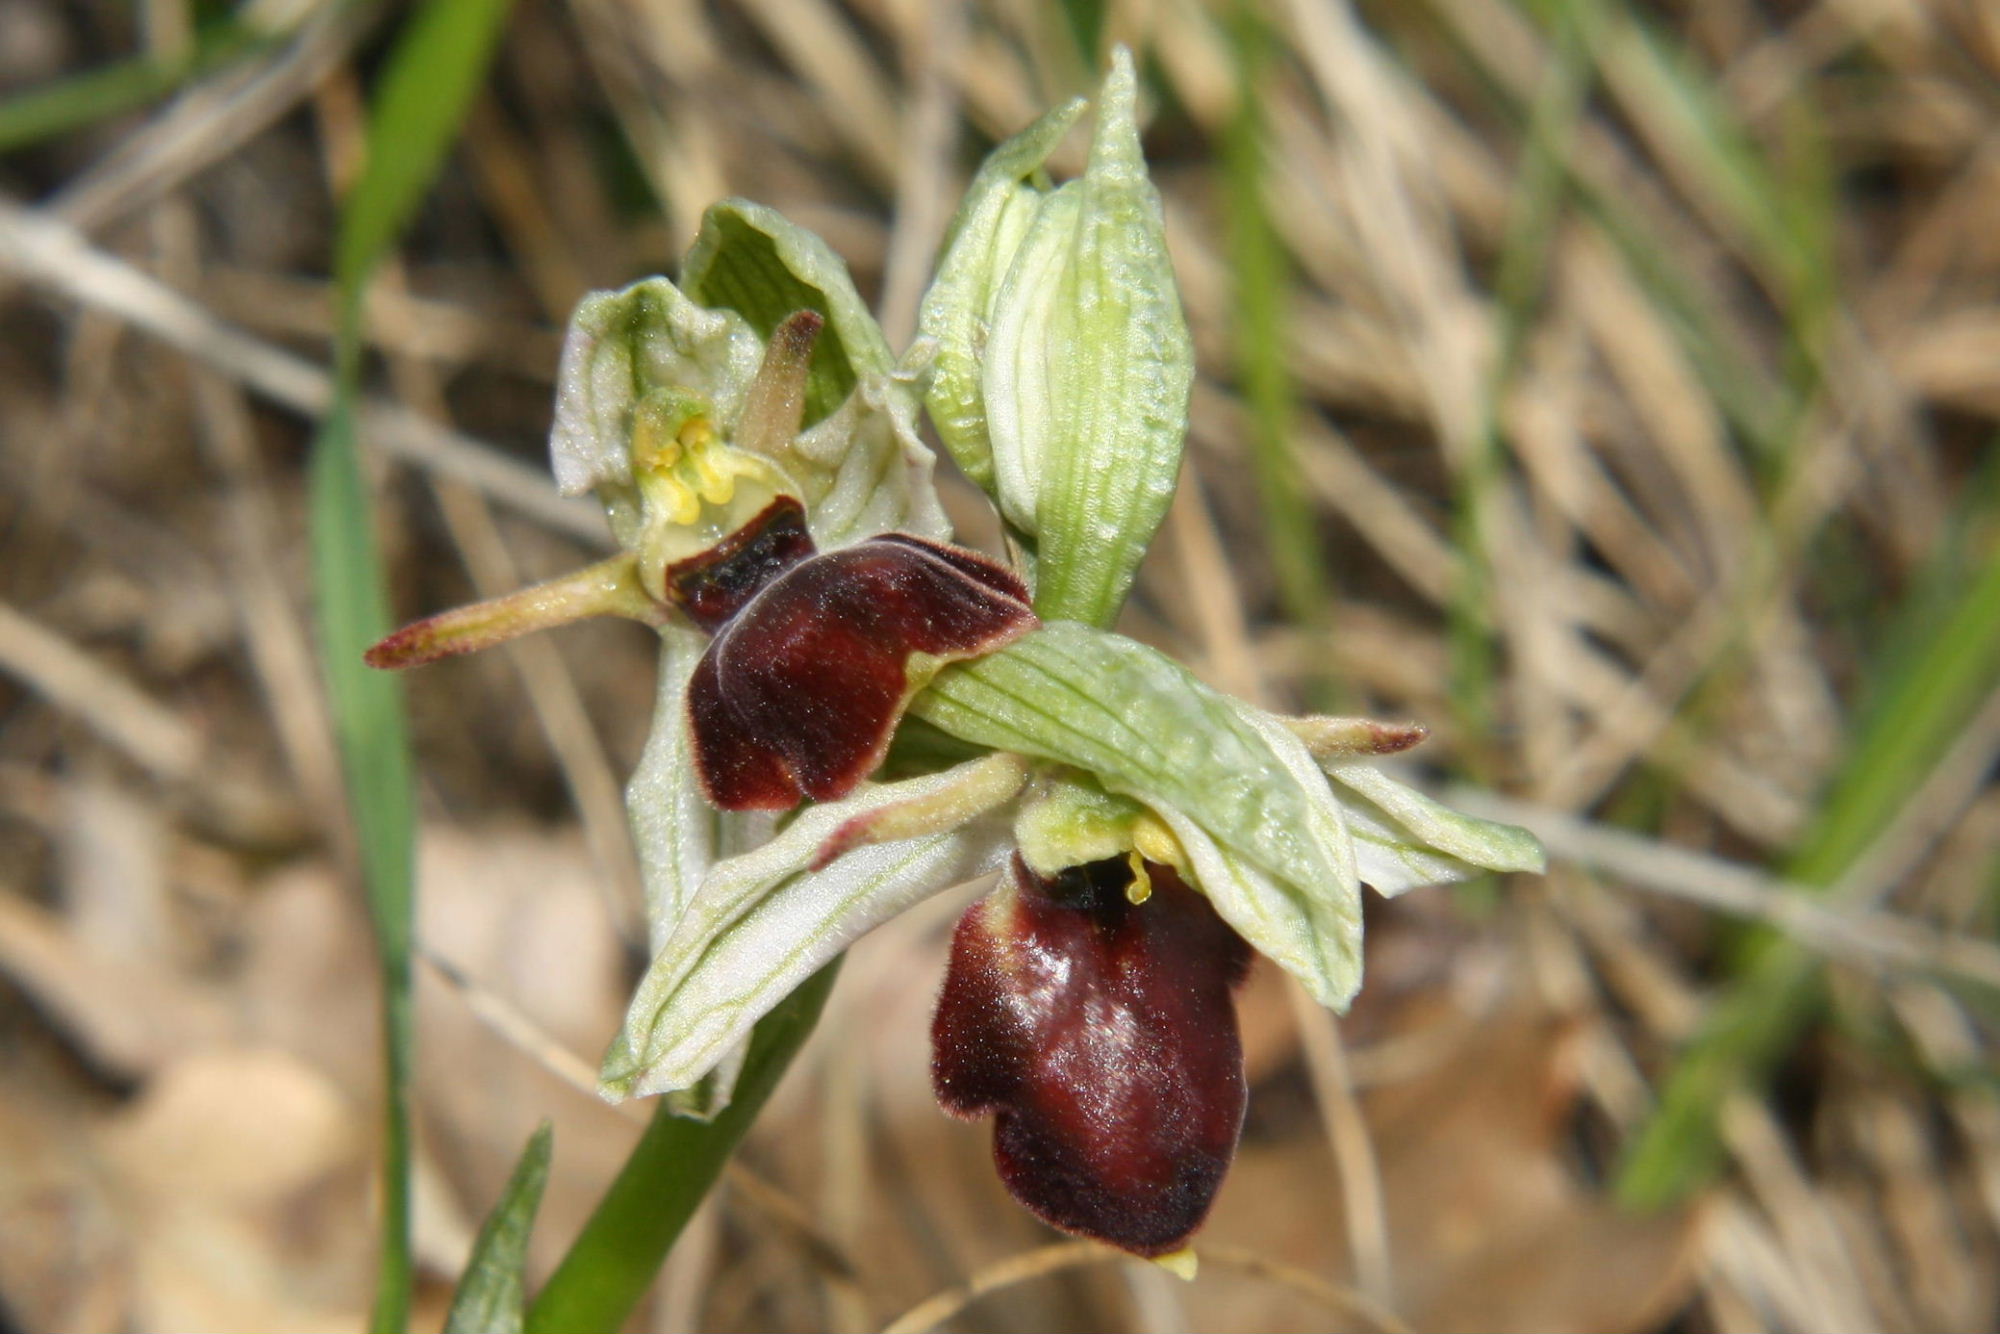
[(1612, 386)]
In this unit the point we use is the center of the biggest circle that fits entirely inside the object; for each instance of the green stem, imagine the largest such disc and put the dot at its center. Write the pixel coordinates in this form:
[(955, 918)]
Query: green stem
[(620, 1250)]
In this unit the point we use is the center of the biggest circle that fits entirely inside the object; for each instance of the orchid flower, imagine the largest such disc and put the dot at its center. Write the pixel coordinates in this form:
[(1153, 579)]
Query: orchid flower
[(756, 452)]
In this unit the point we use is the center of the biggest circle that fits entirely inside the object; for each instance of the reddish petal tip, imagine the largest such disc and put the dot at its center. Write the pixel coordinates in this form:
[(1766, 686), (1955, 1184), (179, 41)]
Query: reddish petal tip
[(1394, 738), (839, 843), (412, 646)]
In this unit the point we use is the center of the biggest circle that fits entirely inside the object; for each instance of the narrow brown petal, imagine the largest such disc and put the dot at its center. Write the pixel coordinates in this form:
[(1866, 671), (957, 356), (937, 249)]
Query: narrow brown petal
[(799, 692), (1102, 1036), (776, 402)]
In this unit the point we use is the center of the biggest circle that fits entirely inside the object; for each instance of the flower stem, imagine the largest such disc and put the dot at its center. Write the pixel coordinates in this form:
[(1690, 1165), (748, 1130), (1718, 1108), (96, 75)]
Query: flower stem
[(620, 1250)]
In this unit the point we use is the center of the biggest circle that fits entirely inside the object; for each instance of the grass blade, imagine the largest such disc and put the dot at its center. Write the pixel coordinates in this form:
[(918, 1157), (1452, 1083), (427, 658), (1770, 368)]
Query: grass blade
[(1779, 990), (491, 1296), (1534, 221), (1261, 272), (438, 61), (369, 721), (616, 1256), (81, 100)]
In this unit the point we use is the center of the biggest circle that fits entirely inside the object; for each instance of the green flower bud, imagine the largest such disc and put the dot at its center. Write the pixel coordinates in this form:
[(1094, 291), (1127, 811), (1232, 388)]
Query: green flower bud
[(1063, 357)]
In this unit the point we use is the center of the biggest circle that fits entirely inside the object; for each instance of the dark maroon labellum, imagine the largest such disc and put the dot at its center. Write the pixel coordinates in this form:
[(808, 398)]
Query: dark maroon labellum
[(801, 688), (1102, 1036)]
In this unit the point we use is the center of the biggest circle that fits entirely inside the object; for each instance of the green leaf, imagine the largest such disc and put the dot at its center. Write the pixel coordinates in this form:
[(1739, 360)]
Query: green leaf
[(621, 1248), (491, 1296), (1262, 281), (750, 259), (368, 718), (1241, 794), (1782, 225), (84, 99)]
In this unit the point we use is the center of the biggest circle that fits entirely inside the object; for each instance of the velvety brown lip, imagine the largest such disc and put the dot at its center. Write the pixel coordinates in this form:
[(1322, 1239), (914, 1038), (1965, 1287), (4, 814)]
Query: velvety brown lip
[(801, 688), (1102, 1038)]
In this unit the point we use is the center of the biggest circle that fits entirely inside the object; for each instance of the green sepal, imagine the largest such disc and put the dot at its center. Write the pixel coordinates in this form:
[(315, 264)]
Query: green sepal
[(627, 348), (1120, 367), (957, 311), (749, 259)]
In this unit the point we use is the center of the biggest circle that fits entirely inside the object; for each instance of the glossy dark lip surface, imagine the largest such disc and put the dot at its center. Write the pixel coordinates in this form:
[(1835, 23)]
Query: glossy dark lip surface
[(799, 692), (714, 585), (1101, 1035)]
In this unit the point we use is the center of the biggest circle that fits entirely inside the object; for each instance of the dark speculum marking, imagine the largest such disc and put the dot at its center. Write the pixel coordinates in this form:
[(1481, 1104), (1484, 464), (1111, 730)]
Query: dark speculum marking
[(801, 688), (715, 584), (1102, 1037)]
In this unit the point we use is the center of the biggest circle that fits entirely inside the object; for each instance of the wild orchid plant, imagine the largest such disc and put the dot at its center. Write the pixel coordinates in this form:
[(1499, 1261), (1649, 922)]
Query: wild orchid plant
[(755, 446)]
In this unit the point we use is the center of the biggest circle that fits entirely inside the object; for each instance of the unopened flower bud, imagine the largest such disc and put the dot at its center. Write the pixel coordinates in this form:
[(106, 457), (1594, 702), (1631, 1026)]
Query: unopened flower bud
[(1063, 357)]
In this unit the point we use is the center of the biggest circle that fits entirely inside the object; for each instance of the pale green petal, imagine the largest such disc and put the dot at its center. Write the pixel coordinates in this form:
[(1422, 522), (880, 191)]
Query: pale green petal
[(865, 470), (1390, 861), (1313, 939), (754, 261), (678, 836), (1405, 839), (623, 345), (763, 922), (1138, 721), (675, 832), (710, 1096), (1143, 726), (1326, 956), (1064, 359), (1022, 366)]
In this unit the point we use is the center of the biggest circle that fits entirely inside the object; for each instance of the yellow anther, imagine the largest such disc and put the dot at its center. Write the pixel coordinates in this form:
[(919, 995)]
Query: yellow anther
[(649, 452), (1155, 842), (714, 478), (1140, 887), (687, 505), (672, 496), (697, 434)]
